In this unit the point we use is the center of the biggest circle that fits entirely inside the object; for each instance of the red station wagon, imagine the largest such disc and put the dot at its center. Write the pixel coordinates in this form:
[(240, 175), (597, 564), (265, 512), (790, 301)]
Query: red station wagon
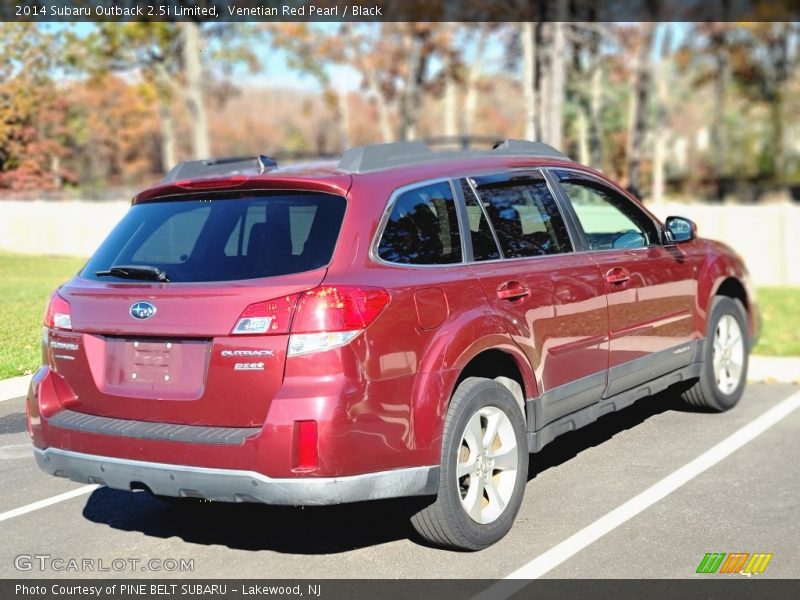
[(405, 323)]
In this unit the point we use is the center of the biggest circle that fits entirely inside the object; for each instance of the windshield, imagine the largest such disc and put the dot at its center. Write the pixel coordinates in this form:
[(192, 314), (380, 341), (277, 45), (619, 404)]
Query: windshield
[(223, 237)]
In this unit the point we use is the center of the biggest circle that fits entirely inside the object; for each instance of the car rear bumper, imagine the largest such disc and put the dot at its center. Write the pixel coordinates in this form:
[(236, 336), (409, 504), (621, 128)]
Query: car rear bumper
[(229, 485)]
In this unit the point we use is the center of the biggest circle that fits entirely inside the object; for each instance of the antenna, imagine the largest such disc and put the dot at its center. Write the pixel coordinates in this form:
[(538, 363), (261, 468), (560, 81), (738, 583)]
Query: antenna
[(265, 163)]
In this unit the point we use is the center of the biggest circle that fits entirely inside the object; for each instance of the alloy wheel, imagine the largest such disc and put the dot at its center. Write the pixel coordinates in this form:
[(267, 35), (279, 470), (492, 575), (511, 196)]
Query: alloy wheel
[(728, 354), (487, 464)]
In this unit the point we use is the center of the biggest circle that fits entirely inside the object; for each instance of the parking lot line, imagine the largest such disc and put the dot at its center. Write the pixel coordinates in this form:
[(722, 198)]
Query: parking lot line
[(559, 553), (22, 510)]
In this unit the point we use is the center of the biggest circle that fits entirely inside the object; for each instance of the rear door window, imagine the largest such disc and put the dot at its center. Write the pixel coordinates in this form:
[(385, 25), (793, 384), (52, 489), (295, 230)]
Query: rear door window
[(224, 237), (422, 228), (524, 214), (484, 244)]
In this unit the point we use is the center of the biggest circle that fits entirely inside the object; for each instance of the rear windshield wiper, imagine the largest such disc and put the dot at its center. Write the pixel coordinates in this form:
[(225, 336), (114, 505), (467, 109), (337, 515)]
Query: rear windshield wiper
[(145, 272)]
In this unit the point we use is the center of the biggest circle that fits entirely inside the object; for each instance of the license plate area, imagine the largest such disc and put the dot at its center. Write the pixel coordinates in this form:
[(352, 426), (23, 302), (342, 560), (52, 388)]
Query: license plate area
[(162, 369)]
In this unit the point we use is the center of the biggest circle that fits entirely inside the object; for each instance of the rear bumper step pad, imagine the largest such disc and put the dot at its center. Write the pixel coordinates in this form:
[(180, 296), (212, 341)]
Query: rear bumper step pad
[(194, 434)]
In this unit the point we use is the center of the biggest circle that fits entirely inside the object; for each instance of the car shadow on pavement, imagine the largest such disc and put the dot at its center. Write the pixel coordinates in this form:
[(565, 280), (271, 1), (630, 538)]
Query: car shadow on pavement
[(13, 423), (569, 445), (246, 526), (329, 529)]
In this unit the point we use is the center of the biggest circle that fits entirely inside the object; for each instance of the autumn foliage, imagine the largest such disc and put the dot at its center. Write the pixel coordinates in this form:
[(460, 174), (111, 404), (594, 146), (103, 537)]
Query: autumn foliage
[(688, 108)]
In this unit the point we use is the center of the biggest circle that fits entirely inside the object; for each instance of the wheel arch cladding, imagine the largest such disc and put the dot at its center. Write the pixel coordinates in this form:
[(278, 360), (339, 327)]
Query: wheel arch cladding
[(499, 365), (494, 357), (733, 288), (721, 276)]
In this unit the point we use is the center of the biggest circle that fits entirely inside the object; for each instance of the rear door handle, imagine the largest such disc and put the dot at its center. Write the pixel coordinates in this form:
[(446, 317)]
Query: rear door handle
[(512, 290), (617, 275)]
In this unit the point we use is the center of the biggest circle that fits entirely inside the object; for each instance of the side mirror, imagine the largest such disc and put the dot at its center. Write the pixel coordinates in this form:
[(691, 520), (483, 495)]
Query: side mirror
[(680, 230)]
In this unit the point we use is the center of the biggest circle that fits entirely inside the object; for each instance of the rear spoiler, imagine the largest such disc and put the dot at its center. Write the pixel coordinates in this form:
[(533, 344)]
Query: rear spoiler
[(216, 167)]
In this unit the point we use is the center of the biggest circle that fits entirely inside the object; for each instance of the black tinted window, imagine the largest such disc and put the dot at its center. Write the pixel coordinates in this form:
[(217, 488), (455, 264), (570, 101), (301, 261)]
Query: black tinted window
[(525, 217), (422, 228), (227, 238), (484, 246)]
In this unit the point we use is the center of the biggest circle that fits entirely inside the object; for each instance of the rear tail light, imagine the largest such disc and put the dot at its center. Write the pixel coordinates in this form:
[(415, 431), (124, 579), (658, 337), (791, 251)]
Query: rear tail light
[(303, 343), (329, 308), (58, 314), (318, 319), (272, 316), (331, 316)]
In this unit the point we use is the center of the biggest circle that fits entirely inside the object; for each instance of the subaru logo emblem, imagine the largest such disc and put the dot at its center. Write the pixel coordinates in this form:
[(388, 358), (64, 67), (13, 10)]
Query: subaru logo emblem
[(142, 310)]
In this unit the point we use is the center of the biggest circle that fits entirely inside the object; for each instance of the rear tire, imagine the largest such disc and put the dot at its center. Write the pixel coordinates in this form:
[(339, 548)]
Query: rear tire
[(725, 358), (483, 471)]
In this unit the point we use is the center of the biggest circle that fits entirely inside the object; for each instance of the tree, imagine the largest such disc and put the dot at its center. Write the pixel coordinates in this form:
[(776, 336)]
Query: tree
[(707, 54), (640, 93), (751, 64), (529, 80), (763, 59), (393, 61), (31, 107), (168, 58), (553, 122), (544, 58), (586, 86), (191, 41), (596, 97), (150, 49), (661, 115)]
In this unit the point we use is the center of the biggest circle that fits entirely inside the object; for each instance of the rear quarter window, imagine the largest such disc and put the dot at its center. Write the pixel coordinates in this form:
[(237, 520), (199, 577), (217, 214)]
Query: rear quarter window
[(422, 228)]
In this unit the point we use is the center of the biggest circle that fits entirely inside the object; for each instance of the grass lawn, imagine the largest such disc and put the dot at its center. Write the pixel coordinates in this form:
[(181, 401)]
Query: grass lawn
[(27, 281), (25, 286), (780, 333)]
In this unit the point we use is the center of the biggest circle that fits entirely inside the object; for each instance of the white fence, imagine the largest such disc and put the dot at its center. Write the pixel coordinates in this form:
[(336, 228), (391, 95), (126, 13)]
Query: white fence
[(73, 228), (767, 236)]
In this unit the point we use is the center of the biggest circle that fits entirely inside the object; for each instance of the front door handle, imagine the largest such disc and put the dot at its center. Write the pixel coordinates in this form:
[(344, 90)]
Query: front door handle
[(512, 290), (618, 276)]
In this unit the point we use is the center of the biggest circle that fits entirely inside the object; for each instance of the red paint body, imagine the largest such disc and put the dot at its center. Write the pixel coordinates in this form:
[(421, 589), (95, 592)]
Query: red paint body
[(379, 402)]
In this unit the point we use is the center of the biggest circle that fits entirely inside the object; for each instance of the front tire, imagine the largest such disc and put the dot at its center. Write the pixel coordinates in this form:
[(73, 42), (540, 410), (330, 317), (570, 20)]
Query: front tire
[(483, 471), (725, 358)]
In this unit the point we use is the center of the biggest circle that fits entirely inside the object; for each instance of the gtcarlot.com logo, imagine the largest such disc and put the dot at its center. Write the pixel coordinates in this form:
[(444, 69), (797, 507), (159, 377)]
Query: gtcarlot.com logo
[(47, 562), (742, 563)]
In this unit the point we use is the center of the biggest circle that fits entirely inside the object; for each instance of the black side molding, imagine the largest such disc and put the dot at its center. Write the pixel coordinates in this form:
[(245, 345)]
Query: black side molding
[(541, 437)]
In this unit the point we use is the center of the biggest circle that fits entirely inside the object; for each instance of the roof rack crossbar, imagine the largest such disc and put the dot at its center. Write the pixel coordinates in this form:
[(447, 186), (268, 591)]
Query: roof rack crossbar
[(364, 159)]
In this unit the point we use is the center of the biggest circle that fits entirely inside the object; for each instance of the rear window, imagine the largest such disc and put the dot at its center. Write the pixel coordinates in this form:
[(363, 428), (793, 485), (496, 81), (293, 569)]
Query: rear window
[(225, 238)]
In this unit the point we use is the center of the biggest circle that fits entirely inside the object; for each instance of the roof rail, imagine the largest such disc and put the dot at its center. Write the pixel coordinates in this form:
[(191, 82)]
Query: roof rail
[(213, 167), (365, 159), (464, 142)]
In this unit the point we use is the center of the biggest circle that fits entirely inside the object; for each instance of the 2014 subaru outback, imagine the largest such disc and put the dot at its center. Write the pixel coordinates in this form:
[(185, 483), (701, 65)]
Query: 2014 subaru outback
[(405, 323)]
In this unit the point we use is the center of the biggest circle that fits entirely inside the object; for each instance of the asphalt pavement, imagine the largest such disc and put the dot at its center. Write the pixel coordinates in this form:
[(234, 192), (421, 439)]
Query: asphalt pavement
[(749, 501)]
